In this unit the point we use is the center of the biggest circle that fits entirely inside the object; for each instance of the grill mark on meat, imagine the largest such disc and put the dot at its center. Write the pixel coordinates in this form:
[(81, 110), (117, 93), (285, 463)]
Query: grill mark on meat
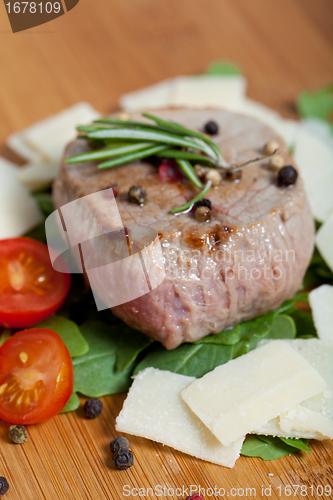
[(129, 246)]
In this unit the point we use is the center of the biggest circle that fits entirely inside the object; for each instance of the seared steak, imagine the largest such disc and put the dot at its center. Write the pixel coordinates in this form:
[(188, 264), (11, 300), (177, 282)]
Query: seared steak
[(246, 261)]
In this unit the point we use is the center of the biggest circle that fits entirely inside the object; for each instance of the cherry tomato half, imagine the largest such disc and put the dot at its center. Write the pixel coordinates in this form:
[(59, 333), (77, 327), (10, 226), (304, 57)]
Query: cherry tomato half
[(30, 289), (36, 376)]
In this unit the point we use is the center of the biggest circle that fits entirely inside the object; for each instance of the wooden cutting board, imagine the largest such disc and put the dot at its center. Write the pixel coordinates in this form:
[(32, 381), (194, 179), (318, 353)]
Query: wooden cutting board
[(96, 52)]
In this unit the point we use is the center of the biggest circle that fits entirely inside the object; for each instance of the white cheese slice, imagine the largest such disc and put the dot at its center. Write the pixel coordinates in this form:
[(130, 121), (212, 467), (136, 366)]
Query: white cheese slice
[(34, 176), (154, 96), (225, 92), (298, 422), (18, 210), (17, 144), (247, 392), (304, 423), (38, 175), (49, 137), (324, 240), (154, 410), (319, 354), (321, 302), (315, 160), (287, 129)]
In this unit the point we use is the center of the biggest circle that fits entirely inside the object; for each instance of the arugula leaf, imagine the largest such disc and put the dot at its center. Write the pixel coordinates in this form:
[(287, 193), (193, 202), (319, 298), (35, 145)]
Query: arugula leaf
[(130, 344), (230, 336), (317, 104), (284, 327), (304, 324), (95, 372), (270, 448), (44, 201), (300, 444), (69, 332), (194, 360), (72, 404), (318, 271), (37, 233), (221, 68)]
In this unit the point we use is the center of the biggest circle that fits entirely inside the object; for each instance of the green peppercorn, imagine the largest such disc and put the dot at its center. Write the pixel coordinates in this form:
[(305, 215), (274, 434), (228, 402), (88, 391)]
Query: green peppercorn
[(119, 442), (93, 408), (123, 459), (4, 486), (18, 434), (137, 194)]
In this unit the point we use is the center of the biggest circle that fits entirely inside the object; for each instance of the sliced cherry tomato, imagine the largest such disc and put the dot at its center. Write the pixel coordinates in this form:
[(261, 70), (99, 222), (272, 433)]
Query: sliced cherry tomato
[(30, 289), (36, 376)]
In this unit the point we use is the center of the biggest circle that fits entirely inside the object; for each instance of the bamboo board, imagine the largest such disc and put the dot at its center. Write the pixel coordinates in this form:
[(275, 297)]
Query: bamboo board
[(96, 52)]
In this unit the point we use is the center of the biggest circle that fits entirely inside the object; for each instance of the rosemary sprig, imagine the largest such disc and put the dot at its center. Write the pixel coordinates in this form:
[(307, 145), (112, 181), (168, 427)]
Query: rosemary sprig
[(124, 141), (190, 203)]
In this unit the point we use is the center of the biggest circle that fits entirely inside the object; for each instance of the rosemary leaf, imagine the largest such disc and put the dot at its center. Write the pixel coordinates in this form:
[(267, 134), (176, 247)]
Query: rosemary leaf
[(88, 128), (138, 155), (108, 153), (177, 153), (144, 135), (191, 202), (189, 171), (134, 125), (175, 127)]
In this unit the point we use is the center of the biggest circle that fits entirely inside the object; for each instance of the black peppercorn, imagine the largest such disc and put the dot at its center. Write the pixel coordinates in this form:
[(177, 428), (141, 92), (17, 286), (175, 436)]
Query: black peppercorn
[(287, 176), (119, 442), (93, 408), (137, 194), (233, 175), (211, 128), (203, 203), (18, 434), (4, 486), (123, 459)]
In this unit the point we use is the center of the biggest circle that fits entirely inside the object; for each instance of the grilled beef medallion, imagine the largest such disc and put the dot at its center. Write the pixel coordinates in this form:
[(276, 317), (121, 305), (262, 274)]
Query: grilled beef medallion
[(243, 260)]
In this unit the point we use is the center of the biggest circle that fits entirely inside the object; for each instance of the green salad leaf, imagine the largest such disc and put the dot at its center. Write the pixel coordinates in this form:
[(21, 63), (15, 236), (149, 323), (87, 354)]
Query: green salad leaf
[(44, 201), (317, 104), (194, 360), (300, 444), (95, 373), (271, 448), (223, 68), (69, 332), (304, 324), (318, 271), (73, 404), (130, 344)]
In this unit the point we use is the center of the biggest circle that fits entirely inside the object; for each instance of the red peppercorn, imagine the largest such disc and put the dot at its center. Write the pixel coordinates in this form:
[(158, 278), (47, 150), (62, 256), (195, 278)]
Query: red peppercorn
[(169, 172), (195, 497)]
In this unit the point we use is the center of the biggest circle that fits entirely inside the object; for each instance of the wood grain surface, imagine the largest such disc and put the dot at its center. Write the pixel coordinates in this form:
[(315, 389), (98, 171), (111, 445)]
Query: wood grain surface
[(96, 52)]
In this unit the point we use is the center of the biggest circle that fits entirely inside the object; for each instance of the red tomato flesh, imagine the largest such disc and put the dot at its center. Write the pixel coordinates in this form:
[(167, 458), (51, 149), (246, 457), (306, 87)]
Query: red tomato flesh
[(36, 376), (30, 289)]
